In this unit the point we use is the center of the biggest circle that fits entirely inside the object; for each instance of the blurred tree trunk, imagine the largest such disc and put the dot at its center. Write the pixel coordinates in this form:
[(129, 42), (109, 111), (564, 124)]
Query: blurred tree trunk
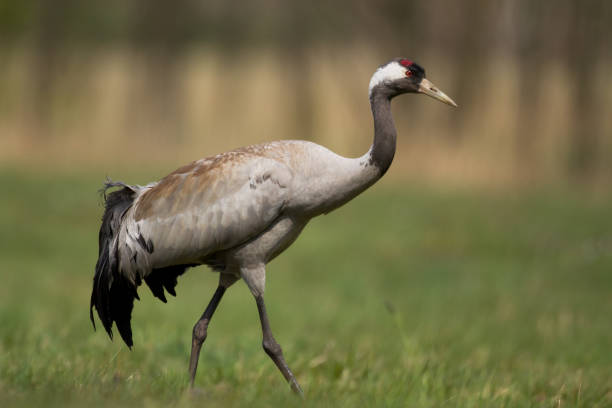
[(157, 37), (49, 42), (585, 41), (301, 79), (529, 45), (295, 47), (467, 43)]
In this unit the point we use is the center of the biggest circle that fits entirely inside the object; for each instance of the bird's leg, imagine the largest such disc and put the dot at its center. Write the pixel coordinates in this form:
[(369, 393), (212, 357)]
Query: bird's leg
[(201, 327), (273, 349), (200, 331)]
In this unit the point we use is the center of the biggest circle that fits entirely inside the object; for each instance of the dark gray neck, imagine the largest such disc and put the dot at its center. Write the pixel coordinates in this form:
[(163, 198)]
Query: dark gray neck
[(383, 148)]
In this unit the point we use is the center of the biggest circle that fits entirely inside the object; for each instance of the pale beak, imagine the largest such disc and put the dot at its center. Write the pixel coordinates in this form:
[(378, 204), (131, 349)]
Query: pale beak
[(430, 89)]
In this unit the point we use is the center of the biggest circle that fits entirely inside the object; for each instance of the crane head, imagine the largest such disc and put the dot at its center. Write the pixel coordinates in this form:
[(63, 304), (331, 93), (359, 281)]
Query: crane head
[(400, 76)]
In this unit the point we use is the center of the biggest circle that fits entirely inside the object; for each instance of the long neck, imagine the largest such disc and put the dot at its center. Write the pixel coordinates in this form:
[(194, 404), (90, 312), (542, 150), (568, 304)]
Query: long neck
[(385, 135), (340, 178)]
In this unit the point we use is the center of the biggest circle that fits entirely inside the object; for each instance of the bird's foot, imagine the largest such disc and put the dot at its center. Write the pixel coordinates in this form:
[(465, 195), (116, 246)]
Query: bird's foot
[(296, 388)]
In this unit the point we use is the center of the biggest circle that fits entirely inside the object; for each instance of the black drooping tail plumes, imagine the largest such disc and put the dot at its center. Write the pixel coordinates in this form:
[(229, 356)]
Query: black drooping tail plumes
[(113, 294)]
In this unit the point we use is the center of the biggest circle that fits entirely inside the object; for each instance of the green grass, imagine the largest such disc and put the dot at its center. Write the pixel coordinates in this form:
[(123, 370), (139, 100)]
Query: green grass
[(405, 297)]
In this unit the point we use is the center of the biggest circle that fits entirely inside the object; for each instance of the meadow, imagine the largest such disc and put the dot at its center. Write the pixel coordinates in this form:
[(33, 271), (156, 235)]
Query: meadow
[(407, 296)]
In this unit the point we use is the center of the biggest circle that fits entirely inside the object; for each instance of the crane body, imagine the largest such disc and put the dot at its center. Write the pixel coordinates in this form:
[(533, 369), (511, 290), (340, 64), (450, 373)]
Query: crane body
[(224, 202), (235, 212)]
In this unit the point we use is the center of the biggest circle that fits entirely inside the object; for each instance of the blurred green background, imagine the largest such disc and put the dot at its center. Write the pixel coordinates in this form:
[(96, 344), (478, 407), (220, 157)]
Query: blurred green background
[(486, 282)]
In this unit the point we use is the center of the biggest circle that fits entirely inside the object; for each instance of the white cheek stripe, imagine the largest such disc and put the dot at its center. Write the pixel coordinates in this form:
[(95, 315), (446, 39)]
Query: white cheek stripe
[(390, 72)]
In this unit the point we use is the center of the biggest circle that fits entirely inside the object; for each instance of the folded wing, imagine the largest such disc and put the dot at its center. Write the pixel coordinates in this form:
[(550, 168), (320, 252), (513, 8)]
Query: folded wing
[(208, 206)]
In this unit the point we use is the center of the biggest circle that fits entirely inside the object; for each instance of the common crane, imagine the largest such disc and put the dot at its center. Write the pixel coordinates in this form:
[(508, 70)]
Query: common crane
[(235, 212)]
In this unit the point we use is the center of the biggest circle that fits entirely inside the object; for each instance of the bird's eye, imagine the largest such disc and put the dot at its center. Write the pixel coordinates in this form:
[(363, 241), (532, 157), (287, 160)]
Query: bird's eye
[(408, 73)]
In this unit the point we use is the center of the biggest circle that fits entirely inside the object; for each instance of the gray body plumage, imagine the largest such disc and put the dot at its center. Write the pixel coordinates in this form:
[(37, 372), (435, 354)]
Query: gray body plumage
[(236, 209)]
